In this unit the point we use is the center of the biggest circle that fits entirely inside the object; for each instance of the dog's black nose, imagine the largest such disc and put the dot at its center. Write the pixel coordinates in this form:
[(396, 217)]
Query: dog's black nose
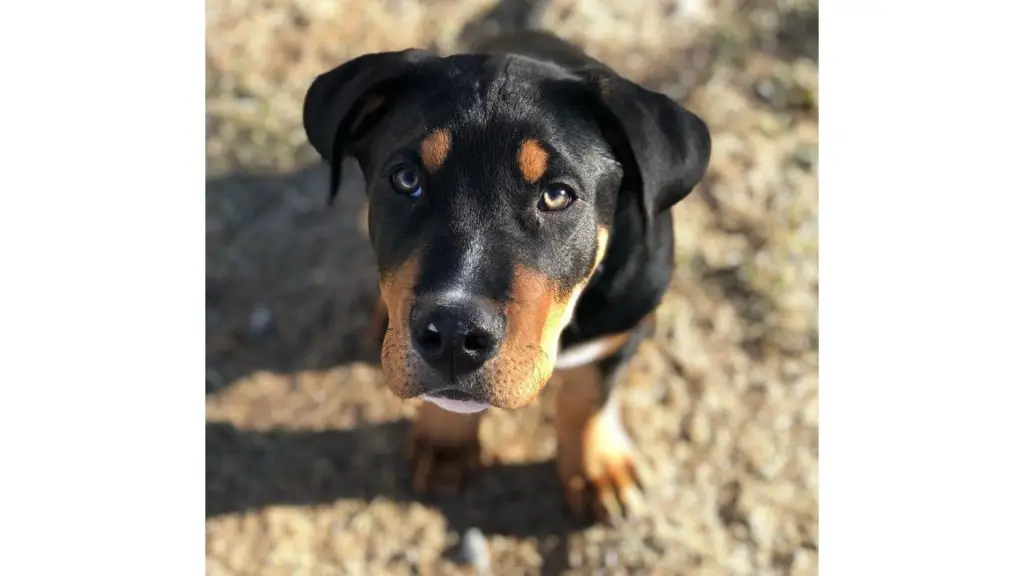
[(456, 335)]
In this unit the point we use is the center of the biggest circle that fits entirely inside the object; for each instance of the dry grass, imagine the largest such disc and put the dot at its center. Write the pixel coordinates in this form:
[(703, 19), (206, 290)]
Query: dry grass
[(303, 467)]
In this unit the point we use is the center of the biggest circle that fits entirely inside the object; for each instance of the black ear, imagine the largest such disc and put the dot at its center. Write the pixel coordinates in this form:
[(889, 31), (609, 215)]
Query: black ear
[(665, 146), (341, 104)]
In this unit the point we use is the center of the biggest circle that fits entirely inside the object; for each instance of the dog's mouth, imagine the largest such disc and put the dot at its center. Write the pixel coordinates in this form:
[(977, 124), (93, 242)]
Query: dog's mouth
[(457, 395), (456, 401)]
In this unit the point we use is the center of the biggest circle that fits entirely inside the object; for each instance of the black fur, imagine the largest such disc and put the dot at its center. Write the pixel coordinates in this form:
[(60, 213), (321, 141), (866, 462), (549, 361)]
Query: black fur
[(630, 153)]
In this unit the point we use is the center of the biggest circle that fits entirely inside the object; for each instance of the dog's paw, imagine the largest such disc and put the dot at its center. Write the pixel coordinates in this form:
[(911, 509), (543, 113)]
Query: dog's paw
[(597, 466), (442, 449)]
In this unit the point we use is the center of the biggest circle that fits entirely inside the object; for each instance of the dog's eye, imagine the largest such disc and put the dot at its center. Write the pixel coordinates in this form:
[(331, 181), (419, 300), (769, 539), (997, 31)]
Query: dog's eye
[(406, 180), (556, 197)]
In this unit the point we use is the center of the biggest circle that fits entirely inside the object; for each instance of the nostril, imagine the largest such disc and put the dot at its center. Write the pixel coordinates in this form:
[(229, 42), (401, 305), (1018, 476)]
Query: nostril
[(477, 342), (431, 337)]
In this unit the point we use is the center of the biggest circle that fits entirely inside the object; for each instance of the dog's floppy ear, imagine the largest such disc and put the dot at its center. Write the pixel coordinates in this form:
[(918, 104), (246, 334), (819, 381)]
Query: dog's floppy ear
[(665, 146), (342, 103)]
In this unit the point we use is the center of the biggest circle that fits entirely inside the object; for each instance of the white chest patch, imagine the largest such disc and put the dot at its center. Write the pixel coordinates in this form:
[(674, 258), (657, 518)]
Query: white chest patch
[(588, 352)]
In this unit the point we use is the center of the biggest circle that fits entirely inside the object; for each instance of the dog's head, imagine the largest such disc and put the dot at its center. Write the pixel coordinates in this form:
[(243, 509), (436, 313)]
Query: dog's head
[(493, 182)]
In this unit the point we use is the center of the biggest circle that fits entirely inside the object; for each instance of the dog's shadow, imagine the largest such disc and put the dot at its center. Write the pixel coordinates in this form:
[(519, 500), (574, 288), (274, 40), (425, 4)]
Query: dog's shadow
[(249, 470), (291, 286)]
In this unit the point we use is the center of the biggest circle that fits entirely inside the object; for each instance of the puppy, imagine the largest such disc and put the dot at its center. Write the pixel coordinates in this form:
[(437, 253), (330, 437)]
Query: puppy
[(518, 209)]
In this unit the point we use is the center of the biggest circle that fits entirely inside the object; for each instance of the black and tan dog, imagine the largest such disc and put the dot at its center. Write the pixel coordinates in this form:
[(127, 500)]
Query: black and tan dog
[(519, 203)]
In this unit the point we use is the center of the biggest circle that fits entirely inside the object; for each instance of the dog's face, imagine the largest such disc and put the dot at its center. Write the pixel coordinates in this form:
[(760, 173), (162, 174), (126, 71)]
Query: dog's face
[(493, 184)]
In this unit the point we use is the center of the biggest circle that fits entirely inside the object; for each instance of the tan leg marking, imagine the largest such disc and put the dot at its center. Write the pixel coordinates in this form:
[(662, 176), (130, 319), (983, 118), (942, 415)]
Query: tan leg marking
[(443, 448), (595, 459)]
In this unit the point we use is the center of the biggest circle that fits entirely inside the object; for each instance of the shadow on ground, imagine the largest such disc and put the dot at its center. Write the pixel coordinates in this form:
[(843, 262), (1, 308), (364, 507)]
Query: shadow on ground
[(290, 280), (248, 470)]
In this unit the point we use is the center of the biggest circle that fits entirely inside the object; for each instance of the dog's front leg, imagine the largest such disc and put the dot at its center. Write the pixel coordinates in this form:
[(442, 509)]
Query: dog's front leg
[(596, 459), (443, 448)]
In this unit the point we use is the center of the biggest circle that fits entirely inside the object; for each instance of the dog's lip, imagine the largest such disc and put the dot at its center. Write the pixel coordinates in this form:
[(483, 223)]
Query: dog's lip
[(454, 394), (464, 404)]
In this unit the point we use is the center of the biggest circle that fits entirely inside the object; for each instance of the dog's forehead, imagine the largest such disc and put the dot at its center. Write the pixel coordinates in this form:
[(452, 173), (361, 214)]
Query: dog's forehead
[(488, 74), (485, 108), (484, 89)]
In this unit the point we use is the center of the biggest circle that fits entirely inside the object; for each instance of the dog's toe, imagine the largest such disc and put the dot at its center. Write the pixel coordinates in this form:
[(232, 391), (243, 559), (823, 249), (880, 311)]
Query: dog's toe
[(598, 468)]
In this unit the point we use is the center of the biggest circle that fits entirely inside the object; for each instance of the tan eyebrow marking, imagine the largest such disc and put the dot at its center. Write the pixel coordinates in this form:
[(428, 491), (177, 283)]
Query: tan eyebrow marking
[(434, 149), (532, 160)]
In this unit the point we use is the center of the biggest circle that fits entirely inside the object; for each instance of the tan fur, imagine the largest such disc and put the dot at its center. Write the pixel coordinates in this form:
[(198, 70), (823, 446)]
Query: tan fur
[(378, 322), (434, 149), (532, 160), (396, 294), (536, 316), (595, 458), (443, 447)]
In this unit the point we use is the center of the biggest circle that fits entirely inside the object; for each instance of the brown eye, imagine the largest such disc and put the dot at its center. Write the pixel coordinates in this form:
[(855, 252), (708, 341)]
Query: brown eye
[(556, 197), (406, 181)]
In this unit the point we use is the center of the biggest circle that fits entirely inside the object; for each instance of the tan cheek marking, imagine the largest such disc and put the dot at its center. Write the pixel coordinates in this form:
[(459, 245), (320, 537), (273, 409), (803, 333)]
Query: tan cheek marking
[(434, 149), (532, 160), (526, 359), (378, 322), (536, 317), (396, 294)]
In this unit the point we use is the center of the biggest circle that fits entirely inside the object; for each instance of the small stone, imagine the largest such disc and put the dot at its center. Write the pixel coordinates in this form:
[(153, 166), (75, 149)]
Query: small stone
[(765, 90), (260, 321), (473, 550)]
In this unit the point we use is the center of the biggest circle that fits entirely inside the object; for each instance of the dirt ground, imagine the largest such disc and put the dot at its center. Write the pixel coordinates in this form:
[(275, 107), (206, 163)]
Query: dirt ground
[(304, 473)]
